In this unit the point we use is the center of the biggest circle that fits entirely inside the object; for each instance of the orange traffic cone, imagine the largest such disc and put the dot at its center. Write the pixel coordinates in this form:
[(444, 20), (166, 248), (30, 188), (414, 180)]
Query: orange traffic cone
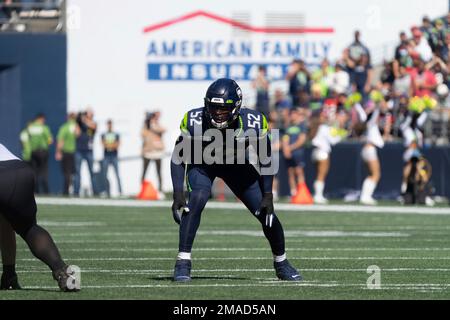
[(148, 191), (303, 196)]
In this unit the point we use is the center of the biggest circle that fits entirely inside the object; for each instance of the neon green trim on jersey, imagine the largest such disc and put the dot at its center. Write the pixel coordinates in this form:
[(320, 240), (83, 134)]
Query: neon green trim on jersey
[(184, 122), (241, 126), (265, 126)]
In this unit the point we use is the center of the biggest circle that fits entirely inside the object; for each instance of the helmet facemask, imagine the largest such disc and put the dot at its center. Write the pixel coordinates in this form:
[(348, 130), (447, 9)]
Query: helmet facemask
[(221, 115)]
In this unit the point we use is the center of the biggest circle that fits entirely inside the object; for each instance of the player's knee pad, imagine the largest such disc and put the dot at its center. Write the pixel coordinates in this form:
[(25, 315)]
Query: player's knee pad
[(369, 153), (319, 155)]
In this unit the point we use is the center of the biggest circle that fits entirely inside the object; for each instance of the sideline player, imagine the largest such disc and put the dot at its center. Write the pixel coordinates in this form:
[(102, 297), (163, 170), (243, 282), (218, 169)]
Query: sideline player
[(18, 213), (222, 111)]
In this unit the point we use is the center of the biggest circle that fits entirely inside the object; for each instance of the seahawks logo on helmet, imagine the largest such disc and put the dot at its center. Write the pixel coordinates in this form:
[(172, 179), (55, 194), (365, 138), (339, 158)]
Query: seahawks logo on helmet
[(223, 101)]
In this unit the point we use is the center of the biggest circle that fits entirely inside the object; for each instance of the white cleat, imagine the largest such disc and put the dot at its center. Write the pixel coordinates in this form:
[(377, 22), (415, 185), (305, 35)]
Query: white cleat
[(429, 202), (320, 200), (368, 201)]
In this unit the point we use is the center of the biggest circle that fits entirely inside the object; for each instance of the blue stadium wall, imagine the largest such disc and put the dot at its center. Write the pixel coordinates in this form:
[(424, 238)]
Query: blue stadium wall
[(32, 80), (347, 170)]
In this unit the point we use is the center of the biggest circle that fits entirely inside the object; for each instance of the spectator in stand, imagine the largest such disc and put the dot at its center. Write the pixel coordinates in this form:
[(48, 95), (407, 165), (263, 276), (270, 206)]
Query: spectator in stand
[(40, 140), (445, 50), (316, 101), (447, 23), (282, 106), (65, 149), (439, 34), (111, 143), (420, 45), (323, 77), (153, 145), (6, 10), (340, 79), (85, 149), (357, 59), (387, 76), (281, 101), (299, 80), (261, 85), (428, 32), (402, 55), (357, 49), (439, 68), (403, 84), (423, 81), (304, 99), (361, 73)]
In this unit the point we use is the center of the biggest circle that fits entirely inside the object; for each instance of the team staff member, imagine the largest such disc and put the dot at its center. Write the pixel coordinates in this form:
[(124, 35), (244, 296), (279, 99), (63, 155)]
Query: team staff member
[(65, 149), (40, 140), (293, 142)]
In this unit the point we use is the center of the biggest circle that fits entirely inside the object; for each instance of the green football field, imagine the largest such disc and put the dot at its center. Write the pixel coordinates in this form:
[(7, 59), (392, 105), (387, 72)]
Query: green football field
[(128, 252)]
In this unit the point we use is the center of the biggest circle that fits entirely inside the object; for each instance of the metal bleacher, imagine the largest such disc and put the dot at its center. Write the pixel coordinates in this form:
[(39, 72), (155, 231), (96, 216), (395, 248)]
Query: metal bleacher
[(32, 16)]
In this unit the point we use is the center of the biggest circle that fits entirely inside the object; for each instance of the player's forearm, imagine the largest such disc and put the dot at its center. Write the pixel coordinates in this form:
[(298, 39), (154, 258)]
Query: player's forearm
[(177, 170), (266, 182), (267, 169)]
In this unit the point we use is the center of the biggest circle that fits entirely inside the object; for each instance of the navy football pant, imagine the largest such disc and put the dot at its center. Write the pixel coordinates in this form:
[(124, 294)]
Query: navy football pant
[(243, 180), (18, 207)]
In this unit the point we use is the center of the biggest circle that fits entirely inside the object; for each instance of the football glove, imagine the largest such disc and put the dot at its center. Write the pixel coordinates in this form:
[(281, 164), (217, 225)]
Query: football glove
[(178, 206), (266, 209)]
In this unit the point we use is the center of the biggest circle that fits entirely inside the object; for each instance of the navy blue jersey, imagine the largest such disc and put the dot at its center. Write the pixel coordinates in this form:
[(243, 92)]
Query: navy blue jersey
[(194, 121), (250, 123)]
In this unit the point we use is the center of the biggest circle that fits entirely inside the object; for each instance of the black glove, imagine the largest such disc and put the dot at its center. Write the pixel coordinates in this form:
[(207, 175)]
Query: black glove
[(266, 208), (178, 206)]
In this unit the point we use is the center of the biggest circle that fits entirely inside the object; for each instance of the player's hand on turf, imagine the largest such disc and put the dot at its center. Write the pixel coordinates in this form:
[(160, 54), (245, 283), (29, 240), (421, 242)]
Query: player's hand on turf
[(178, 206), (266, 208)]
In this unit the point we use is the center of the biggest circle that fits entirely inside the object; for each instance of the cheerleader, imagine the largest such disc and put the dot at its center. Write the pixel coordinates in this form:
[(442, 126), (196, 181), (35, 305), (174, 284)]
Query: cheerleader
[(367, 126), (324, 136)]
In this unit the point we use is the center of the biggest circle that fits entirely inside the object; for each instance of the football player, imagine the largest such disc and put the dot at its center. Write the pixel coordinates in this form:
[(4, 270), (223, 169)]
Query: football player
[(18, 214), (249, 181)]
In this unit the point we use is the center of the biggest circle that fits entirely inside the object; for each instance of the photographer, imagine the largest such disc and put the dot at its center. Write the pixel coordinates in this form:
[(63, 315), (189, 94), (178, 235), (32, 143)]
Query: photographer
[(153, 145), (85, 146)]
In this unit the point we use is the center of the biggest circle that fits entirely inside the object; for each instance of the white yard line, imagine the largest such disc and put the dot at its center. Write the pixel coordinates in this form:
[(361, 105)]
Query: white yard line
[(242, 249), (242, 258), (141, 241), (143, 271), (178, 286), (239, 206), (250, 233)]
